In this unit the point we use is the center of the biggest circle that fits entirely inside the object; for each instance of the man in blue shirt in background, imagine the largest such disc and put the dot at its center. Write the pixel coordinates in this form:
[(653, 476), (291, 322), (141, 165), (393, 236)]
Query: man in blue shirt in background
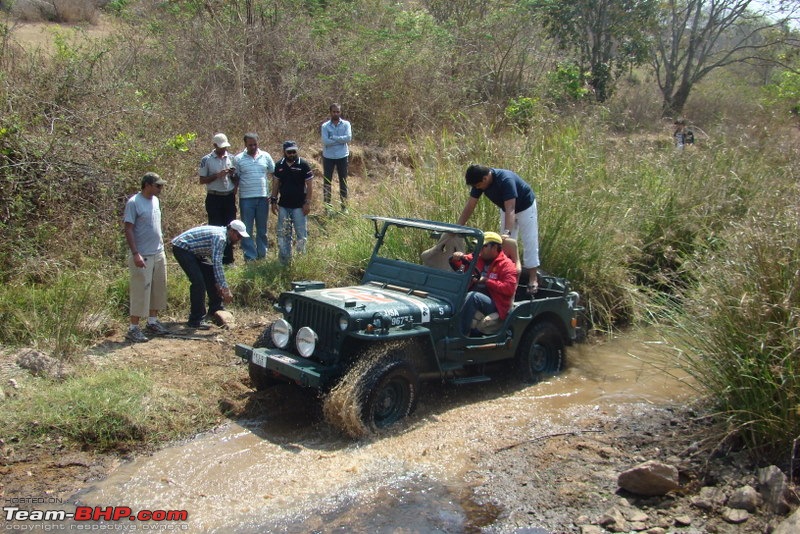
[(336, 134)]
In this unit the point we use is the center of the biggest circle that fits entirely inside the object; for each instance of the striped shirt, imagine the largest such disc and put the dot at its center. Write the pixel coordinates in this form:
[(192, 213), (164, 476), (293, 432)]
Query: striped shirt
[(253, 172), (209, 242)]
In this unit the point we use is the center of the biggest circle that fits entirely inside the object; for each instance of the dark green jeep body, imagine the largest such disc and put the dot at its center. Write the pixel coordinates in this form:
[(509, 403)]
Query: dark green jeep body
[(401, 325)]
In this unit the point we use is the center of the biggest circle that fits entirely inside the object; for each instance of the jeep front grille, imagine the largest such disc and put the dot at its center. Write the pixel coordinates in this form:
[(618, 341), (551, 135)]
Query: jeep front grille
[(323, 320)]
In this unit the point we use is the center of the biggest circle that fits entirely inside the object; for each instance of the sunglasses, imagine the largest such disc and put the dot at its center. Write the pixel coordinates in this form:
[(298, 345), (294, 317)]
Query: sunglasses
[(291, 152)]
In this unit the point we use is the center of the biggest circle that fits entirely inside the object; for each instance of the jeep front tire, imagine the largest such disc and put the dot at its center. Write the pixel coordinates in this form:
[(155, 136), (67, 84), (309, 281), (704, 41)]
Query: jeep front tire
[(378, 391)]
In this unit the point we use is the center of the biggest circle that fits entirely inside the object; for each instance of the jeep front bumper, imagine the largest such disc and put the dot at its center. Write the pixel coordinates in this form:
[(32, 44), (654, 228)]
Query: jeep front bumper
[(304, 372)]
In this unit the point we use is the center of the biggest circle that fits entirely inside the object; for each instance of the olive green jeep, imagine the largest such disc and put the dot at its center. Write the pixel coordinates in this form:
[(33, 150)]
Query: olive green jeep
[(366, 348)]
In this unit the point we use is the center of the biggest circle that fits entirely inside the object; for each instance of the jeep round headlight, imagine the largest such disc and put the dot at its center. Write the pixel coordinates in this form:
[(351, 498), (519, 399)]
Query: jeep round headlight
[(305, 341), (281, 333), (287, 305), (344, 322)]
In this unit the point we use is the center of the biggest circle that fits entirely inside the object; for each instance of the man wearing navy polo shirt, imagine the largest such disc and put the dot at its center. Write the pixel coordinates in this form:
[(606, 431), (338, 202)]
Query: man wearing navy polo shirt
[(252, 167), (291, 200), (517, 203)]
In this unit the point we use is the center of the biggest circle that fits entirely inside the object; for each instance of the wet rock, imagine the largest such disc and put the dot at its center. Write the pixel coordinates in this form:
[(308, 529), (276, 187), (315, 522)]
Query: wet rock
[(614, 521), (650, 478), (735, 516), (791, 525), (745, 498), (709, 498), (772, 483)]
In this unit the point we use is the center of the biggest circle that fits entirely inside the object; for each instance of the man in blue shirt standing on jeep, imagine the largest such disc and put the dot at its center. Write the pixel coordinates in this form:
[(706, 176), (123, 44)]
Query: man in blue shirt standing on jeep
[(517, 203)]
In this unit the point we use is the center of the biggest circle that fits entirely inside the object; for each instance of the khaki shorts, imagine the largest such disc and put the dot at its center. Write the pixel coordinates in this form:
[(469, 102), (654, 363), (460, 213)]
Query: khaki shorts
[(148, 289)]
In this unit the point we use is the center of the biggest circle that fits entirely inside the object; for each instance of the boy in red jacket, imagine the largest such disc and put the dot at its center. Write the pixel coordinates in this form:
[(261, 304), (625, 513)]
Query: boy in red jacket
[(494, 282)]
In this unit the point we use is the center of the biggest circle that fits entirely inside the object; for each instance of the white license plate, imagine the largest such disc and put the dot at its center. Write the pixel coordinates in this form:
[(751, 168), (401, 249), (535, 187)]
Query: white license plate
[(260, 359)]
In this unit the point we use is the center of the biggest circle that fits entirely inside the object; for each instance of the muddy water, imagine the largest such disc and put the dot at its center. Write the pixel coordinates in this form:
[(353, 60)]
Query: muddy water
[(288, 472)]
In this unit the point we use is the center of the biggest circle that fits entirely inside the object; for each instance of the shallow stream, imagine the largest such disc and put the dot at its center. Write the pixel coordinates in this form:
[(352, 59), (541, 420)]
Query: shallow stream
[(289, 472)]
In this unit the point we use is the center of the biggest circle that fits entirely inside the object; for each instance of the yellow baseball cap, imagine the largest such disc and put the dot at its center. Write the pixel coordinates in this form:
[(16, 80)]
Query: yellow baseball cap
[(492, 237)]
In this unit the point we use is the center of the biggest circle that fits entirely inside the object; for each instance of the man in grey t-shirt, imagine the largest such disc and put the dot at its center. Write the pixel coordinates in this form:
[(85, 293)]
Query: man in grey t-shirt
[(146, 262)]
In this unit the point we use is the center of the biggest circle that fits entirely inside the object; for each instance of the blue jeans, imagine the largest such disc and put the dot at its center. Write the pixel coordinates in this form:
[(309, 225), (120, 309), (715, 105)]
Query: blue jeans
[(254, 209), (287, 219), (201, 283), (475, 301)]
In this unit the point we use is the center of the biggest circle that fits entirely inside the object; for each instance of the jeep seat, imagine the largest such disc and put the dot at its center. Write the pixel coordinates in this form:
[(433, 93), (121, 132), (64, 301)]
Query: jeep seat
[(438, 256)]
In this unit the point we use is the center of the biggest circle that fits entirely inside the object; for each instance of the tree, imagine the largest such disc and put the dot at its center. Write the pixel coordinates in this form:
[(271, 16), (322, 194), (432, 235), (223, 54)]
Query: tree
[(606, 35), (697, 36)]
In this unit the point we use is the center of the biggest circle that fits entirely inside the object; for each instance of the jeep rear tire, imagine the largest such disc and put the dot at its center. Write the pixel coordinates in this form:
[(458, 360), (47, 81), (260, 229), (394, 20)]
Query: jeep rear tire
[(540, 353), (379, 390), (260, 377)]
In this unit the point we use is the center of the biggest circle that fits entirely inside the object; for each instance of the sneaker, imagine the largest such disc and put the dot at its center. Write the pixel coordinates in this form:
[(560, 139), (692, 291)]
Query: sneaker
[(199, 325), (157, 329), (136, 335)]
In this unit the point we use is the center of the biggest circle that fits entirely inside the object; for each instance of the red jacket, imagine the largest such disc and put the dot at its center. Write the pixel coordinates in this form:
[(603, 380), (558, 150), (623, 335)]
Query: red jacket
[(501, 279)]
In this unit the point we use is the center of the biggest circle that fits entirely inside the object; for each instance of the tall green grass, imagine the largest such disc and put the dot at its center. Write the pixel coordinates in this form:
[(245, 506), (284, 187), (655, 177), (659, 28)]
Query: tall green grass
[(61, 314), (739, 330)]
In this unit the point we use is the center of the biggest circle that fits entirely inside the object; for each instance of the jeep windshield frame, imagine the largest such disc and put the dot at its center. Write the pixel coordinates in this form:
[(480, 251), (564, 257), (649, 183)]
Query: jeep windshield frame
[(400, 268)]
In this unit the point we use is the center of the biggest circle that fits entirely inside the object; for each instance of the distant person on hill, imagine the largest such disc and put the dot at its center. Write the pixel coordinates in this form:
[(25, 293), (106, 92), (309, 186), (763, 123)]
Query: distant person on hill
[(199, 252), (517, 203), (291, 200), (336, 134), (683, 135), (493, 283), (216, 173), (146, 262), (253, 165)]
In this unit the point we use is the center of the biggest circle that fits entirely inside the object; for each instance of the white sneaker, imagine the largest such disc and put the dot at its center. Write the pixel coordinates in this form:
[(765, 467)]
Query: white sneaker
[(136, 335), (157, 329)]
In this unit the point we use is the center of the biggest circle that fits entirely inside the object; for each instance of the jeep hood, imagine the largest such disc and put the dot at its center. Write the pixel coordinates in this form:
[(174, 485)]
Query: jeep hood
[(364, 301)]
